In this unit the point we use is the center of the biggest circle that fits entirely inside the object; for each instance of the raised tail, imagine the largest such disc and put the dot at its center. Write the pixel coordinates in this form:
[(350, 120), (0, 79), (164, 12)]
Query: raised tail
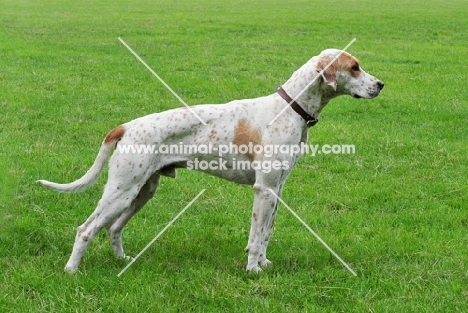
[(95, 171)]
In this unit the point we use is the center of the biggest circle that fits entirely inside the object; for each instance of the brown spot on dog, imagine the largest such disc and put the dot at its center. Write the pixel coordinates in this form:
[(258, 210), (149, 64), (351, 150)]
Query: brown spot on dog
[(115, 135), (345, 63), (246, 134)]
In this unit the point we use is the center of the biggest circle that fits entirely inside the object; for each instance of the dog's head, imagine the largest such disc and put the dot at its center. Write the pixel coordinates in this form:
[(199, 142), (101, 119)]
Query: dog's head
[(345, 75)]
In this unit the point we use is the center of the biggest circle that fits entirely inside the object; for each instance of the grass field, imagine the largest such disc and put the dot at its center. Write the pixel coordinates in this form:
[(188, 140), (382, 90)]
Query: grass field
[(396, 211)]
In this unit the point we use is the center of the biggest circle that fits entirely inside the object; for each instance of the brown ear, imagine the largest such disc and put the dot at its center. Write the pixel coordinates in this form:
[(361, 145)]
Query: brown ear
[(329, 75)]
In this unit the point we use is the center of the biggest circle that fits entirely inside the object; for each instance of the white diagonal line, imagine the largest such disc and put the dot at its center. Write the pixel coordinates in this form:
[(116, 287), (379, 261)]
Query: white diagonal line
[(313, 80), (315, 234), (161, 232), (161, 80)]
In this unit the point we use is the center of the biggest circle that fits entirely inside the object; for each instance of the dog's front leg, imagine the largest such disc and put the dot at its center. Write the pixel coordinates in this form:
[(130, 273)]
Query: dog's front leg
[(263, 261), (263, 212)]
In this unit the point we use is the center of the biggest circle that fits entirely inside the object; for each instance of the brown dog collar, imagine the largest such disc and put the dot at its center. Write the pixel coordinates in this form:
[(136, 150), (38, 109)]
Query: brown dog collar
[(310, 120)]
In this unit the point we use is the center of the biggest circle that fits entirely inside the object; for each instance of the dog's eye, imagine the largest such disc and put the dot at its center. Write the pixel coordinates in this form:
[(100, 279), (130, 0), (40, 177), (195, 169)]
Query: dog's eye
[(355, 68)]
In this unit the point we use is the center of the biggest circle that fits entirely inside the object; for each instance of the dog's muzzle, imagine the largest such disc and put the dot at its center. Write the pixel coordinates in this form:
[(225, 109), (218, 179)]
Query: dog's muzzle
[(371, 94)]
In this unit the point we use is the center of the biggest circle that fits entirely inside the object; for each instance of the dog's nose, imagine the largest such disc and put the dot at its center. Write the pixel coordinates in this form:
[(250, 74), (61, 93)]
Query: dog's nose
[(380, 84)]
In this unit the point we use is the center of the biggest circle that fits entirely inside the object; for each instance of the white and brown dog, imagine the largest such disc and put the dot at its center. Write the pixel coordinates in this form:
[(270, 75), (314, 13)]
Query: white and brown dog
[(134, 177)]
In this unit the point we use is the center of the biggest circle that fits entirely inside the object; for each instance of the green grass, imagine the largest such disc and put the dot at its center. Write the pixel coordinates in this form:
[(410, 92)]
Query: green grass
[(395, 211)]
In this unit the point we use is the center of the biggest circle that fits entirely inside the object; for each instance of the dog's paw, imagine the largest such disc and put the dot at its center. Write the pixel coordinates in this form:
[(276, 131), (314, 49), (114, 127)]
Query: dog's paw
[(126, 258), (69, 270), (265, 263), (253, 269)]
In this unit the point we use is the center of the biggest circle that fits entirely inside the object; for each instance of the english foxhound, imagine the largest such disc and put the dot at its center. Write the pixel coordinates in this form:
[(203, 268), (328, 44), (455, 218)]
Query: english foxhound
[(134, 177)]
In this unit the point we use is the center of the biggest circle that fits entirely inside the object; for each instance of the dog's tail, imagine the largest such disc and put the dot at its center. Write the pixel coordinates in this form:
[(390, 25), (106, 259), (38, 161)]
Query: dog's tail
[(93, 173)]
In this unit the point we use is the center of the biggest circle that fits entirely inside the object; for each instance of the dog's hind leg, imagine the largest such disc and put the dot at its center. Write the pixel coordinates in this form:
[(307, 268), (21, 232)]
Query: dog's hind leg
[(114, 229), (115, 200)]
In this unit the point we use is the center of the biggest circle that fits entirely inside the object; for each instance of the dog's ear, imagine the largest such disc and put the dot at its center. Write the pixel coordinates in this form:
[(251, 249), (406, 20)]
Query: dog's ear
[(328, 75)]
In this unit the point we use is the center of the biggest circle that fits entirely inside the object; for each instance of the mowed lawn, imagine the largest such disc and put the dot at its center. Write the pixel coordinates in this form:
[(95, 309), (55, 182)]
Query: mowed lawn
[(395, 211)]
